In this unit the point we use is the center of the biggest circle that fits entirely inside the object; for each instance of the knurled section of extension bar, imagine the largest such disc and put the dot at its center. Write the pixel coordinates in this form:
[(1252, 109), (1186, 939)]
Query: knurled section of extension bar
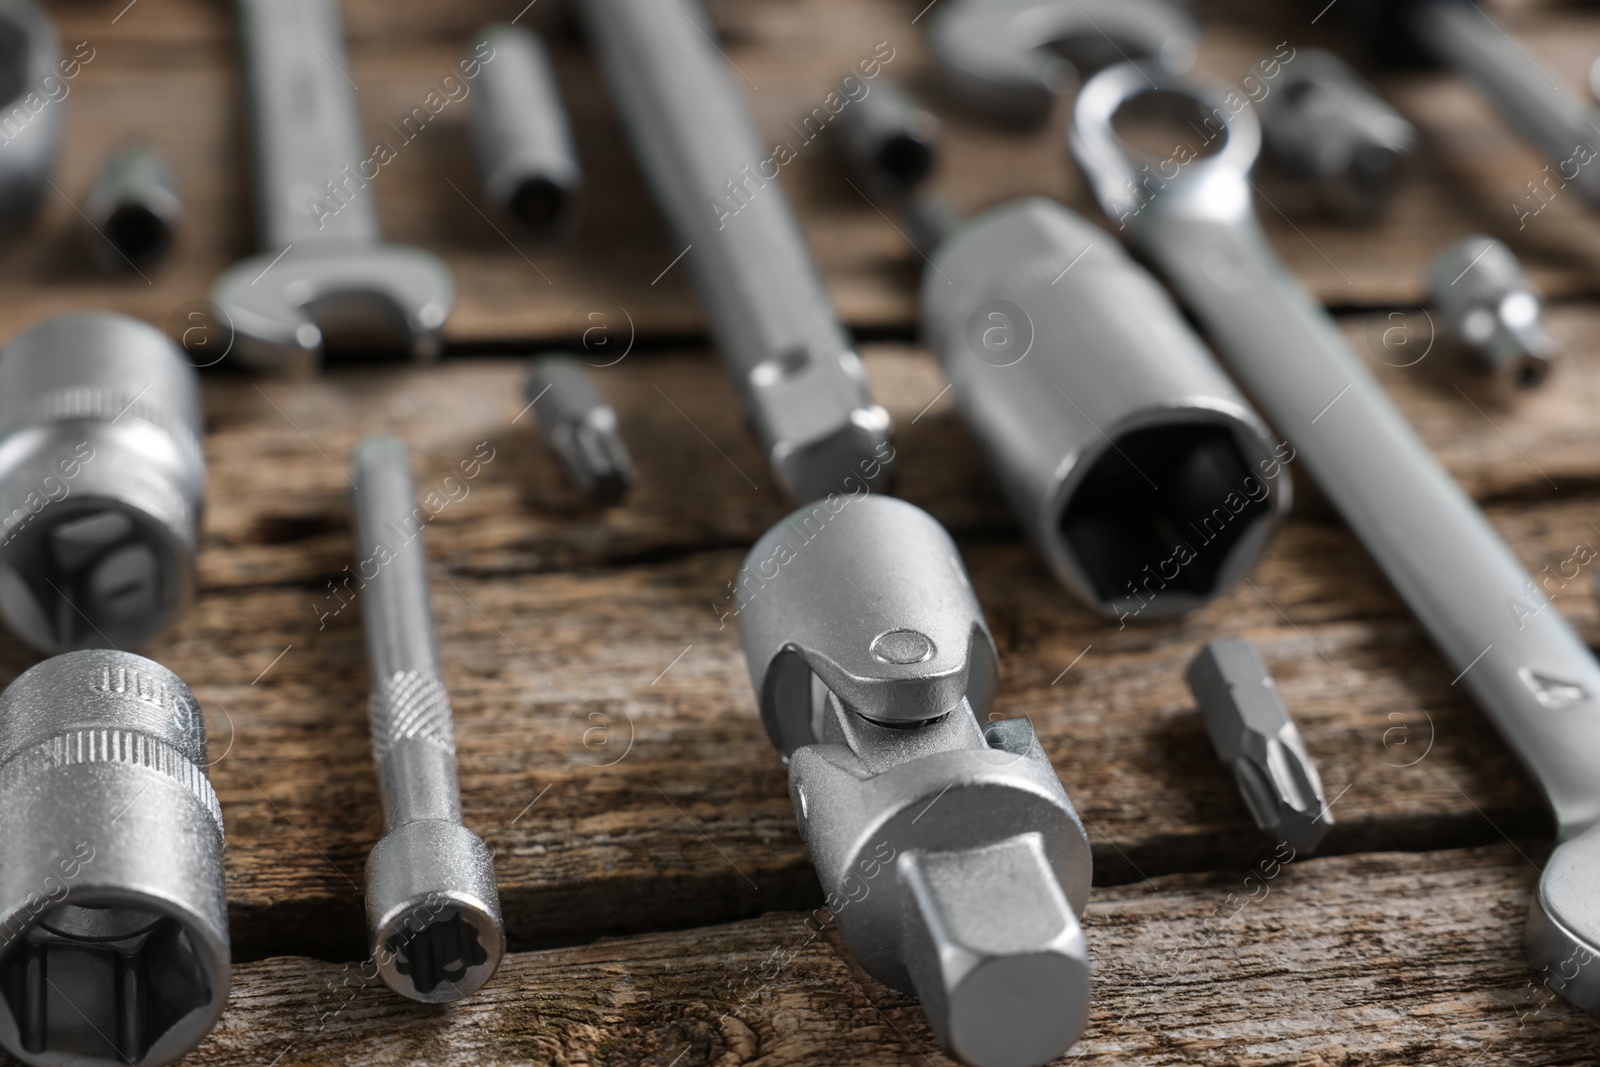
[(411, 706)]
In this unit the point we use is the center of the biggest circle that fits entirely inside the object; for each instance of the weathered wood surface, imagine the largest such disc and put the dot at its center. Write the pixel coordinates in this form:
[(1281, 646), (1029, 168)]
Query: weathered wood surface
[(169, 71), (1376, 959), (594, 678)]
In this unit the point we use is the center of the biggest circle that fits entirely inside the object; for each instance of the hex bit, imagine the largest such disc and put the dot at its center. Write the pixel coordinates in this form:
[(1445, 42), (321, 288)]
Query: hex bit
[(433, 913), (1491, 304), (1251, 730), (580, 428)]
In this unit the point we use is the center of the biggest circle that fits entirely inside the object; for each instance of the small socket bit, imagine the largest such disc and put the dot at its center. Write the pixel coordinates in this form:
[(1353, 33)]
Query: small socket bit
[(132, 213), (951, 858), (1492, 305), (433, 913), (113, 915), (1325, 125), (887, 141), (520, 134), (1252, 732), (102, 482), (581, 428)]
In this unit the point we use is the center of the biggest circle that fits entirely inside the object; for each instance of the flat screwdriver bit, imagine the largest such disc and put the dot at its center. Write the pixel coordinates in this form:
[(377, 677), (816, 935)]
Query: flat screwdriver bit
[(1252, 732)]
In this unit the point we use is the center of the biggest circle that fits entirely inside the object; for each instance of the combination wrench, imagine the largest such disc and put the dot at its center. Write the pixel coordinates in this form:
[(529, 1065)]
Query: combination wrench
[(802, 383), (325, 269), (1192, 216)]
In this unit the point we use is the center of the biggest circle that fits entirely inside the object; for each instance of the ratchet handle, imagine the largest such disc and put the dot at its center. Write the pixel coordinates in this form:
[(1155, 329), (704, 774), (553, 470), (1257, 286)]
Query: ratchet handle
[(311, 172), (1507, 644)]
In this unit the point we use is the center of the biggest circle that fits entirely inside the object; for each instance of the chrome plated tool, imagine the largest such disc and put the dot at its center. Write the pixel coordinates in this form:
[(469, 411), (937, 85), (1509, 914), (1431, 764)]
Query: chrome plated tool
[(324, 271), (1251, 730), (132, 213), (1490, 304), (113, 914), (803, 386), (102, 482), (433, 912), (580, 428), (951, 858), (1509, 646), (1137, 470)]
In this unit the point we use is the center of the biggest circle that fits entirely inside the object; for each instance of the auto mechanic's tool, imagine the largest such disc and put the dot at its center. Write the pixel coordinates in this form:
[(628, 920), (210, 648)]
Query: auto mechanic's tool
[(952, 860), (324, 274), (1555, 121), (580, 428), (34, 109), (132, 212), (929, 221), (102, 482), (1009, 59), (1139, 472), (1325, 125), (1511, 648), (886, 140), (1253, 734), (520, 134), (433, 912), (113, 915), (803, 386), (1492, 305)]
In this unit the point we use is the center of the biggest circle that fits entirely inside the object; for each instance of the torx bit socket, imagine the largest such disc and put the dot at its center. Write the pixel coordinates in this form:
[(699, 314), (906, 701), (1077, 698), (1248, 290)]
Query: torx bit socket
[(433, 913), (102, 482), (1491, 304), (132, 213), (1252, 733), (113, 916), (520, 134), (581, 428)]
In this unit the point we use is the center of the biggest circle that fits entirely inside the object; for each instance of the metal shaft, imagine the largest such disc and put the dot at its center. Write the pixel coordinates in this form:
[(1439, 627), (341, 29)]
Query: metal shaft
[(802, 383), (413, 743), (1557, 122), (432, 908), (307, 131)]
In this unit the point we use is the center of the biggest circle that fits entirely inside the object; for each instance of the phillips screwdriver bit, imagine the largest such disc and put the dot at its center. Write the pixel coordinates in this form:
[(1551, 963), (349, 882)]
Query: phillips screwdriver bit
[(433, 912), (1493, 306), (1252, 733), (581, 428)]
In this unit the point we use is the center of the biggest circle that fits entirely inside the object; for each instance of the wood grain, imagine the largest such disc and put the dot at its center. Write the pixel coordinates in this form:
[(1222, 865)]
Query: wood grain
[(594, 678), (167, 71), (1369, 960)]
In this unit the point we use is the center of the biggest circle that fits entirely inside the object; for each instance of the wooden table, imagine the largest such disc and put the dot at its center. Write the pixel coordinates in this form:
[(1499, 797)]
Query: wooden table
[(610, 751)]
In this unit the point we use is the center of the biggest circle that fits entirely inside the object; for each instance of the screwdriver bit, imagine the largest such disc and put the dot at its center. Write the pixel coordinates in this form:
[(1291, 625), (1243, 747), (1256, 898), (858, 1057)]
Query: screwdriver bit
[(1252, 732), (1493, 306), (581, 428), (433, 912)]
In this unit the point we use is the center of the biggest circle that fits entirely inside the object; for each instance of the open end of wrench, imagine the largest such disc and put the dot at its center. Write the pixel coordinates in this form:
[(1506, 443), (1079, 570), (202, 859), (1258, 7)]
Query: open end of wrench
[(1143, 134), (292, 308), (140, 976), (92, 573), (1012, 59)]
